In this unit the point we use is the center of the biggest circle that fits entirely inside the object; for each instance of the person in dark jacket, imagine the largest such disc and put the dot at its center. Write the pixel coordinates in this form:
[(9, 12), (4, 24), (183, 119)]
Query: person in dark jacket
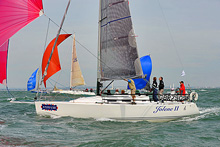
[(154, 89), (161, 86)]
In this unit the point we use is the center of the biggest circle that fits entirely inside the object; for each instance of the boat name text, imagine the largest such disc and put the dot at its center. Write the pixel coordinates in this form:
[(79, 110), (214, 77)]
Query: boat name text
[(164, 108)]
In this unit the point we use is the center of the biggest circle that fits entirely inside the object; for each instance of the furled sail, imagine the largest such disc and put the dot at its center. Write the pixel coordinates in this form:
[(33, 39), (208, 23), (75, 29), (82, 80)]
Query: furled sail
[(31, 84), (3, 63), (146, 64), (118, 49), (76, 77), (54, 65), (16, 14)]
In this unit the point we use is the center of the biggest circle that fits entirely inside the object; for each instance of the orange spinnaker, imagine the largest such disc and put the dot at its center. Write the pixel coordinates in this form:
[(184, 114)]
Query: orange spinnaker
[(54, 65)]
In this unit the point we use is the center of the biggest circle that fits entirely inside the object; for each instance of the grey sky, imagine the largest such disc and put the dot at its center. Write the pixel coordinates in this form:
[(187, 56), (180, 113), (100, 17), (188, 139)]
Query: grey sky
[(194, 26)]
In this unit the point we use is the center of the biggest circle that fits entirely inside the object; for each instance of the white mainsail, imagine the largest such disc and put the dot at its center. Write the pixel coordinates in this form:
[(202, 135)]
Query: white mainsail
[(117, 44), (76, 77)]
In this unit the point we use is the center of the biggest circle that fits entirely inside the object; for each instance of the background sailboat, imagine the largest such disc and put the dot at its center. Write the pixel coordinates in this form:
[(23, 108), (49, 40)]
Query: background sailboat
[(76, 77), (31, 84)]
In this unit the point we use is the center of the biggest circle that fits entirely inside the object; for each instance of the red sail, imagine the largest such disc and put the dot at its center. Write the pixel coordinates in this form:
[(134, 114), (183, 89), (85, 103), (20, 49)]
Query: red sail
[(54, 65), (3, 63), (16, 14)]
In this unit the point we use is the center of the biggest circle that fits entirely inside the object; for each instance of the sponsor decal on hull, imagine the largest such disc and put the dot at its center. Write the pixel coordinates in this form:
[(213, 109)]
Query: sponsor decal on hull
[(49, 107)]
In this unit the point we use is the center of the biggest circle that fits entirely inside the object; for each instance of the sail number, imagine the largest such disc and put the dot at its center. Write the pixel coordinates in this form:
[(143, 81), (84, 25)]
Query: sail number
[(165, 109)]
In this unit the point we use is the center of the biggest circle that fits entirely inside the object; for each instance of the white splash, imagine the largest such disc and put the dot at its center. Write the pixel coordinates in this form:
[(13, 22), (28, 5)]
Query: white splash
[(204, 112), (105, 119), (202, 90)]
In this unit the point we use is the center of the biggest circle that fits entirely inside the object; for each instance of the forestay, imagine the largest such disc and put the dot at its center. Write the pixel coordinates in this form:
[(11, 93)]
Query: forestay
[(118, 49)]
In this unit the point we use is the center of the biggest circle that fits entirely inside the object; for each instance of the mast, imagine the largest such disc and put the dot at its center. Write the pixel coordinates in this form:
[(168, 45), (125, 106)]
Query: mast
[(58, 33), (99, 48)]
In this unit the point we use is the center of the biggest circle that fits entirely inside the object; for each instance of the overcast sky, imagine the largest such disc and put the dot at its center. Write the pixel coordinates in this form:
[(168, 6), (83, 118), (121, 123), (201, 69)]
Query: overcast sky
[(194, 27)]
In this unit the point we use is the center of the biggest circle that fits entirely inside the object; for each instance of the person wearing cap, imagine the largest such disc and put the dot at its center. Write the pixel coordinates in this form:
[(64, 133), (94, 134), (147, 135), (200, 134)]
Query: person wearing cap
[(131, 85), (182, 88)]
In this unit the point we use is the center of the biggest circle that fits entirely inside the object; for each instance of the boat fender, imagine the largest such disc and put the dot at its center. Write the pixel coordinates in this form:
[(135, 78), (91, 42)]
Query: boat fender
[(193, 96)]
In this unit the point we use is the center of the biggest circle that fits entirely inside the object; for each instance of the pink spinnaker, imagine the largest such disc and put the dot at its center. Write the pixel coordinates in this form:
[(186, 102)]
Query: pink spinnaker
[(3, 63), (16, 14)]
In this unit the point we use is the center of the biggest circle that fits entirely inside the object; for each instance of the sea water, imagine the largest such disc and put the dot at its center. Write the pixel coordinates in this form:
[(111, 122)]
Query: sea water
[(21, 126)]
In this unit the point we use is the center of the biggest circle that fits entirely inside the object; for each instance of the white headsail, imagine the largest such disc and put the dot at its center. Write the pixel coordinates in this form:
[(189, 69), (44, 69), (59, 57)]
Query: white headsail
[(76, 77)]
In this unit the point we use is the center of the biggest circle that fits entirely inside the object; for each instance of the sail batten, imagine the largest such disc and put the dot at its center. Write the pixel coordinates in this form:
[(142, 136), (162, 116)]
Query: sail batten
[(118, 49), (76, 77)]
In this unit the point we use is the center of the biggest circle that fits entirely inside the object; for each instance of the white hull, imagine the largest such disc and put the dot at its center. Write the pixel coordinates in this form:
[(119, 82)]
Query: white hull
[(94, 108), (74, 92)]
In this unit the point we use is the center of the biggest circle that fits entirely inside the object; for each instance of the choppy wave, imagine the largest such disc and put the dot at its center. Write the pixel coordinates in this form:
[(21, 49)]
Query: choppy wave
[(204, 113), (203, 90), (105, 119), (52, 116), (207, 111), (21, 126), (6, 141)]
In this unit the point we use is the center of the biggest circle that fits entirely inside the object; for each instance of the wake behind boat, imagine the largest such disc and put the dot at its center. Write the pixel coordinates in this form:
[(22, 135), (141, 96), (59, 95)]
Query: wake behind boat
[(118, 59)]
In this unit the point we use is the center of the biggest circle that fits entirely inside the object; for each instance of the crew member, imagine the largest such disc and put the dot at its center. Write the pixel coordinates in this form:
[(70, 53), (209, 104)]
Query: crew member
[(182, 88), (161, 86), (154, 89), (131, 85)]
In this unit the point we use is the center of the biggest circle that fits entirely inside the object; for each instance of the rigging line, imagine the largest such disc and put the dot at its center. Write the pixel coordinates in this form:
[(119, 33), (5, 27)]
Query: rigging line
[(51, 83), (9, 93), (48, 25), (58, 78), (174, 44), (86, 49), (38, 83), (57, 82)]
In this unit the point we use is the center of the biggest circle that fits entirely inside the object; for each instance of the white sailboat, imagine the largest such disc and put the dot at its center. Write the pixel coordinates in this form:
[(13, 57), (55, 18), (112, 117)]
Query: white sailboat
[(118, 59), (76, 77)]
